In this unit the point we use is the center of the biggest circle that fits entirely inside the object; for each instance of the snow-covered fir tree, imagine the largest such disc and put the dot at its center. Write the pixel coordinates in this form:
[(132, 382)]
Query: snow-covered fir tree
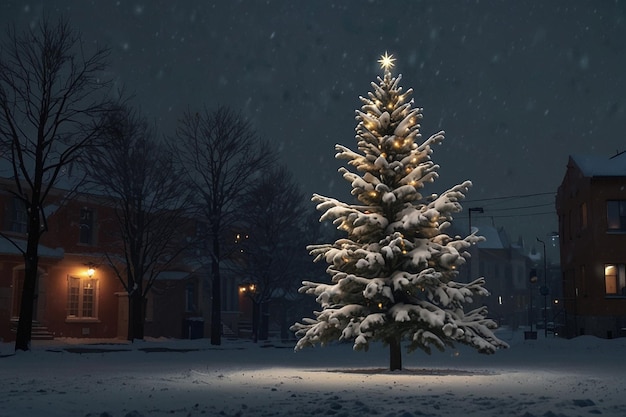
[(393, 277)]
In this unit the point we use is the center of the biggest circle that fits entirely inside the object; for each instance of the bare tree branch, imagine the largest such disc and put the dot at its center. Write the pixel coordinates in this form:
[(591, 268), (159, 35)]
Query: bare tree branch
[(223, 156), (139, 175), (50, 92)]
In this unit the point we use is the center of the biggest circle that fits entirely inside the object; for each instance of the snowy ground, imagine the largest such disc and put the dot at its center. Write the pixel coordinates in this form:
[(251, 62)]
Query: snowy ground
[(546, 377)]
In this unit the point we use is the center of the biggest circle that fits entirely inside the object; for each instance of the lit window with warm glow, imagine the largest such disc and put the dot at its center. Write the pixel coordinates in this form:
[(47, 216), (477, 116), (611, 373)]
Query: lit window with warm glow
[(82, 298), (615, 279)]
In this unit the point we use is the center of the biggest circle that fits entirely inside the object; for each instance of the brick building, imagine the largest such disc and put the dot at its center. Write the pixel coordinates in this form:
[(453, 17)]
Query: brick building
[(591, 206), (78, 294)]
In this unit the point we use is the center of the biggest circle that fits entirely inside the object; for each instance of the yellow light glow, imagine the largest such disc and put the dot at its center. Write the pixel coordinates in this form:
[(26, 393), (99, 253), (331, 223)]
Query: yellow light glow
[(386, 61), (380, 305), (90, 272)]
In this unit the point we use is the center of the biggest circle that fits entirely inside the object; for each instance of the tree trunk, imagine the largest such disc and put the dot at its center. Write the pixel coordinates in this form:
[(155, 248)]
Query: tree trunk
[(25, 324), (256, 315), (131, 319), (216, 289), (284, 325), (136, 316), (395, 354), (264, 327), (29, 291)]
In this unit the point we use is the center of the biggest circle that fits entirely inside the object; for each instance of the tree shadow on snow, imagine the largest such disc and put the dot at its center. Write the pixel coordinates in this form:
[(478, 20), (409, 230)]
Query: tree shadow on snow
[(410, 371)]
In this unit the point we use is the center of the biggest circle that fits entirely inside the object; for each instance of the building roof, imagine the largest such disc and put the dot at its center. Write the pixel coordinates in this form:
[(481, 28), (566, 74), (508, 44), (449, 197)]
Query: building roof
[(601, 166), (495, 238), (9, 248)]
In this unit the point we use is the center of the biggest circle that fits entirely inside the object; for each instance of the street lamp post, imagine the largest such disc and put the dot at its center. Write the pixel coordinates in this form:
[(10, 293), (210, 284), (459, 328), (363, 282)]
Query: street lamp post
[(470, 263), (544, 290), (477, 210)]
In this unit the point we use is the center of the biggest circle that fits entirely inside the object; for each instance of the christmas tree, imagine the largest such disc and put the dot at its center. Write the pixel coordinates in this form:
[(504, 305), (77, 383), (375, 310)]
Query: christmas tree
[(393, 276)]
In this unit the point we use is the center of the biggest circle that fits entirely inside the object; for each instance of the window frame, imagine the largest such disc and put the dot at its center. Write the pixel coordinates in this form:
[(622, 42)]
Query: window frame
[(18, 216), (615, 281), (616, 216), (190, 297), (86, 226), (584, 216), (82, 299)]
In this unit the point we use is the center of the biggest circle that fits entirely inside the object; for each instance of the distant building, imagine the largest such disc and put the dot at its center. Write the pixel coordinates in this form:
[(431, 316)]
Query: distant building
[(506, 267), (591, 206)]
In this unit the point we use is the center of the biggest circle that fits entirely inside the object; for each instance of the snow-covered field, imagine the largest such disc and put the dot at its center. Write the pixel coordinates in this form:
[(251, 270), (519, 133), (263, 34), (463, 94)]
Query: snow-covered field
[(550, 377)]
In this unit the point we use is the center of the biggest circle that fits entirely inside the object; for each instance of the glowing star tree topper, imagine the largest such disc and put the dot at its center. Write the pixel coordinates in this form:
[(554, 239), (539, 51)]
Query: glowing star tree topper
[(393, 277), (386, 62)]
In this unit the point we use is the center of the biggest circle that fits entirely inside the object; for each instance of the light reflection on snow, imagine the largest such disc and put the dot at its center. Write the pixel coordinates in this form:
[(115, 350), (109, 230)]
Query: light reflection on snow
[(191, 377)]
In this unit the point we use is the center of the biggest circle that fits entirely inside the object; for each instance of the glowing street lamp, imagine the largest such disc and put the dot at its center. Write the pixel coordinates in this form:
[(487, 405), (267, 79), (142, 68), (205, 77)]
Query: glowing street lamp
[(247, 288), (91, 270)]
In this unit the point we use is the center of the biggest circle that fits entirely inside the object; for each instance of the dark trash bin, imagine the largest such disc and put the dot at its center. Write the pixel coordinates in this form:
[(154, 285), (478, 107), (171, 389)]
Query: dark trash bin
[(193, 328), (530, 335)]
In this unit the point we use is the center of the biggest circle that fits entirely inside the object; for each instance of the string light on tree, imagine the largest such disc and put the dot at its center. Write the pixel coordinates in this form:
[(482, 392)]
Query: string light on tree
[(393, 275)]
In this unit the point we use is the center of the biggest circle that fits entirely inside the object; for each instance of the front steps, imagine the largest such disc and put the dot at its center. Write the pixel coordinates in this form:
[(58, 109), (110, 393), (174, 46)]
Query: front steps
[(39, 331)]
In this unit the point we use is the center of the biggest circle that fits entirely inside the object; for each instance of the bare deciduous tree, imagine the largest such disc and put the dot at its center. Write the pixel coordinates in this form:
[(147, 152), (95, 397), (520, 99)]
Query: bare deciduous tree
[(49, 95), (274, 218), (150, 202), (222, 154)]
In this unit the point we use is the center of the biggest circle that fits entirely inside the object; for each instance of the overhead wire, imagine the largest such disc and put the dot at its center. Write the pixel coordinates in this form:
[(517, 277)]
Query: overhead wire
[(494, 201)]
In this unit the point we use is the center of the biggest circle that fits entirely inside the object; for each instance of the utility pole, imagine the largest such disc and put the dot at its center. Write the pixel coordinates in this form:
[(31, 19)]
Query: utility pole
[(544, 290)]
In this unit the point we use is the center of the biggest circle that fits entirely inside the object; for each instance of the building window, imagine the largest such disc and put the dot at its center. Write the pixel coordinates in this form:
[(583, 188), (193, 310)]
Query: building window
[(616, 215), (615, 279), (82, 297), (190, 297), (583, 216), (202, 233), (86, 226), (149, 309), (18, 218)]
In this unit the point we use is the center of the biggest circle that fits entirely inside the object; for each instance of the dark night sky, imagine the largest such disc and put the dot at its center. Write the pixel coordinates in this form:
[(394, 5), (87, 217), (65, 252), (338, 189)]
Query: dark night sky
[(516, 85)]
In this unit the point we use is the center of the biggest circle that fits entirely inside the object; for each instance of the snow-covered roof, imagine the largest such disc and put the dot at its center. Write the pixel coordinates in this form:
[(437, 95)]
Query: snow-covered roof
[(494, 238), (8, 248), (601, 166)]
